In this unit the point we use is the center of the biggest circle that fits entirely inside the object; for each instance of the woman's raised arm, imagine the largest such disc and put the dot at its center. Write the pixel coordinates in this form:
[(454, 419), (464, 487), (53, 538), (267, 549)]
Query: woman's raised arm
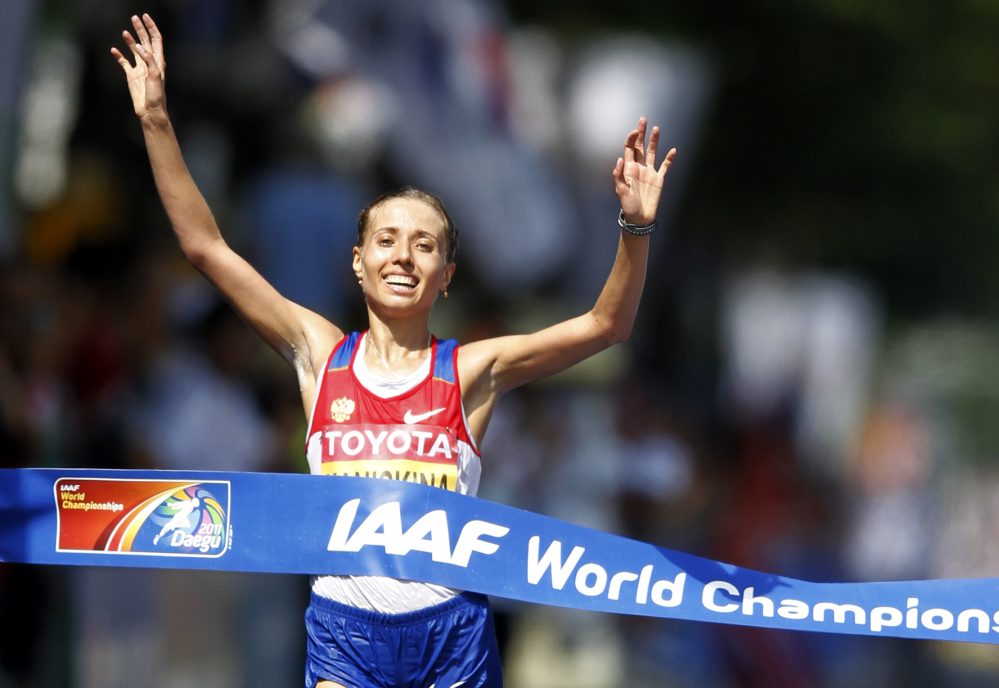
[(491, 367), (302, 337)]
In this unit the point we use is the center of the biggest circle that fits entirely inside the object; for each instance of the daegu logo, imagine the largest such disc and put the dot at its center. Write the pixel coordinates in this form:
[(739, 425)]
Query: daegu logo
[(429, 534), (191, 520)]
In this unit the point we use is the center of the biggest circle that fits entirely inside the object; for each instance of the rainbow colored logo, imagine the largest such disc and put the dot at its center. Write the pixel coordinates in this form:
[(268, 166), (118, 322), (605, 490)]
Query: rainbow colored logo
[(143, 517), (189, 520)]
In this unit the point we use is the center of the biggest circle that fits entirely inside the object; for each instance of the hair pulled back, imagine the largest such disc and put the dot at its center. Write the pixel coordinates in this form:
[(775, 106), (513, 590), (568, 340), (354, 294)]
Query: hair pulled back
[(450, 231)]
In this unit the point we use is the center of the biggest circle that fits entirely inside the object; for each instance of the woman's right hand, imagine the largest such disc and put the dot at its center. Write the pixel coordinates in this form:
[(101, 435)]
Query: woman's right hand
[(145, 79)]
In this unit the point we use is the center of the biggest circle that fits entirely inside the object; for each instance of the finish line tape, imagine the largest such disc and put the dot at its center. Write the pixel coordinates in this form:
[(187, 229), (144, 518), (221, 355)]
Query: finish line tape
[(282, 523)]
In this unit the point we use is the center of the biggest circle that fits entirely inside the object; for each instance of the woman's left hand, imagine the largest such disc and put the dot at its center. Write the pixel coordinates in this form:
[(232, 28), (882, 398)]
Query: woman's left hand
[(145, 79), (637, 182)]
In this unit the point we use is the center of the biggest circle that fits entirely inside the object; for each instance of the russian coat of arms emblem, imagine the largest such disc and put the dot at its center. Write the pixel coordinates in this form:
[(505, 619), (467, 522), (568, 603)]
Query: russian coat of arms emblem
[(341, 409)]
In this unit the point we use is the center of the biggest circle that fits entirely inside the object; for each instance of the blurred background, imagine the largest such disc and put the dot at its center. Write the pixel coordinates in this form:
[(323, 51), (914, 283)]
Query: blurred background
[(811, 389)]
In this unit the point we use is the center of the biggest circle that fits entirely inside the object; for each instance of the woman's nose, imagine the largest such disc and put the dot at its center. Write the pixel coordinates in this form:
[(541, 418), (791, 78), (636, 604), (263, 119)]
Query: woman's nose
[(403, 253)]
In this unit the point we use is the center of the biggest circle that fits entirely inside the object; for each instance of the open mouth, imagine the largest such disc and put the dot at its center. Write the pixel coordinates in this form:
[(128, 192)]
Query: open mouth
[(401, 282)]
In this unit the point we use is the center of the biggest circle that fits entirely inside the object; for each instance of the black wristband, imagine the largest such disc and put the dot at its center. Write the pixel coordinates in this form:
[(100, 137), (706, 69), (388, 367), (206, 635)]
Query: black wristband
[(637, 230)]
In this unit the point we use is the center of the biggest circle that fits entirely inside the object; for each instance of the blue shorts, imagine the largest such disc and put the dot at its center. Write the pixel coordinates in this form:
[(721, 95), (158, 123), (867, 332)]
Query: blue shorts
[(449, 644)]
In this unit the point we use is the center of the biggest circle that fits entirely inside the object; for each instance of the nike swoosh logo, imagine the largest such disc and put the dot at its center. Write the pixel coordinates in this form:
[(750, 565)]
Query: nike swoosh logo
[(410, 419)]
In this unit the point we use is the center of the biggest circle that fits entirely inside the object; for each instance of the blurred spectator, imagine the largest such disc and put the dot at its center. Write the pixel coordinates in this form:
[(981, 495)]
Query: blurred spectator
[(611, 84), (891, 529), (444, 67), (15, 38), (40, 329), (657, 471), (305, 224), (771, 520), (964, 546), (802, 347), (197, 413)]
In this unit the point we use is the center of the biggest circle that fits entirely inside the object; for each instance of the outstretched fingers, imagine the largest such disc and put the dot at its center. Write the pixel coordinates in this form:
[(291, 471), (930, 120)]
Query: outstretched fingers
[(130, 42), (154, 31), (640, 141), (629, 146), (139, 69), (667, 161), (156, 38), (147, 57), (125, 64), (650, 152), (140, 31), (620, 183)]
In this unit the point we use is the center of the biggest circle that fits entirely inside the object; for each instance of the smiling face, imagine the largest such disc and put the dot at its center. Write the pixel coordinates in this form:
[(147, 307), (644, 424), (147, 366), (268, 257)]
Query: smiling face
[(402, 263)]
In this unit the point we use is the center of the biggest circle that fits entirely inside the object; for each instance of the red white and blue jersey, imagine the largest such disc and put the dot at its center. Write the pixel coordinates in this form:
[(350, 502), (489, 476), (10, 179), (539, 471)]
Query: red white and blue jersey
[(420, 435)]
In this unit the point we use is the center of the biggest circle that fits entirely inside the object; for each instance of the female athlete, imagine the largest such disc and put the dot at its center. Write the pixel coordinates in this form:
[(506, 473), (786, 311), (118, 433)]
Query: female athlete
[(394, 402)]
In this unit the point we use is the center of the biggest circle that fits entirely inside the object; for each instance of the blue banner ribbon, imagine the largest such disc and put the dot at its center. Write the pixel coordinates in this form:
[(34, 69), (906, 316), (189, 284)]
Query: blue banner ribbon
[(319, 524)]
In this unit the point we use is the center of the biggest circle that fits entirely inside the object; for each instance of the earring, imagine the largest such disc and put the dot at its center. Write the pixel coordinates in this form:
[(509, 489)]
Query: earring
[(444, 293)]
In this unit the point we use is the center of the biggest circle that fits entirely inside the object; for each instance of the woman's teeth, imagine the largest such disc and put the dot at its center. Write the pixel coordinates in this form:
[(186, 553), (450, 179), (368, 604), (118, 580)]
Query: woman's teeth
[(401, 281)]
